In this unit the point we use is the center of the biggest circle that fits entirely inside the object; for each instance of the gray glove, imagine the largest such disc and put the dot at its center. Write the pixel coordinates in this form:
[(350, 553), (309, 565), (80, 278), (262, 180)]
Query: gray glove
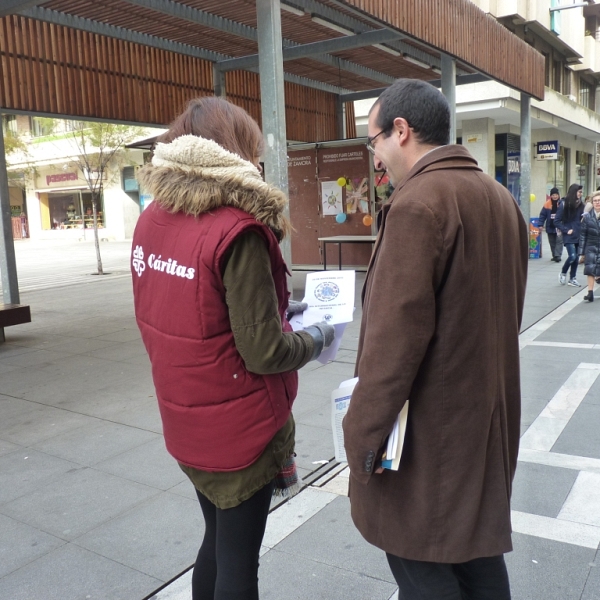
[(327, 331), (294, 308)]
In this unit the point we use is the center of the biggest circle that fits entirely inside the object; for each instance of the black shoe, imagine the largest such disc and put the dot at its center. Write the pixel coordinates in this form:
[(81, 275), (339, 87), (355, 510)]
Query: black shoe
[(590, 296), (556, 259)]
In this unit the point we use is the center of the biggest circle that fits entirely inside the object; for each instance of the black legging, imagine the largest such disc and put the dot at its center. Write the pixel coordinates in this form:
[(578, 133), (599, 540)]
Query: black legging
[(227, 563)]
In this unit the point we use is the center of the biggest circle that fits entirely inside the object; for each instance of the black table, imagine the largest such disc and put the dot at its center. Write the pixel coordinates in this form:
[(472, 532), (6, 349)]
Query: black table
[(343, 239)]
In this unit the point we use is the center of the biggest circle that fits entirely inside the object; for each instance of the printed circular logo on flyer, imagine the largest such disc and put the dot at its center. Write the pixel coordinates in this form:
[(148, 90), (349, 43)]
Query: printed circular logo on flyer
[(327, 291)]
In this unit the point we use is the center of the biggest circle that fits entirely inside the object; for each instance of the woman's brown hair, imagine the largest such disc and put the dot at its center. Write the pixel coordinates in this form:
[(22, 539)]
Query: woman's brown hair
[(217, 119)]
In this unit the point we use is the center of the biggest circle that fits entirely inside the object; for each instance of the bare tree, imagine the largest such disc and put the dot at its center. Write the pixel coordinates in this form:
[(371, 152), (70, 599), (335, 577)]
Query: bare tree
[(99, 146)]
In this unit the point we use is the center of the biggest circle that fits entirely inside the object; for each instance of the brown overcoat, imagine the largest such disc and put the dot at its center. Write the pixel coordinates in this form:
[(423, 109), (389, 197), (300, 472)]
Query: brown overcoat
[(442, 307)]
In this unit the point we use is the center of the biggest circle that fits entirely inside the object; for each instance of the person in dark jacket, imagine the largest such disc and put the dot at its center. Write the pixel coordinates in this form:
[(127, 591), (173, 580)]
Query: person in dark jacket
[(547, 215), (589, 245), (443, 518), (210, 295), (568, 221)]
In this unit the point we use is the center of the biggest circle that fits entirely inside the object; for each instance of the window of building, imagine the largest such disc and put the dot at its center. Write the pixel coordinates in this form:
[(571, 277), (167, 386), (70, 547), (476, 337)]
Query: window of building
[(9, 123), (566, 82), (41, 126), (556, 76), (585, 94), (546, 69)]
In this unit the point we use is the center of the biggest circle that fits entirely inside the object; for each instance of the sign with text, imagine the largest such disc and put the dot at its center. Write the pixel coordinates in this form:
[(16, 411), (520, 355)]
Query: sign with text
[(547, 150)]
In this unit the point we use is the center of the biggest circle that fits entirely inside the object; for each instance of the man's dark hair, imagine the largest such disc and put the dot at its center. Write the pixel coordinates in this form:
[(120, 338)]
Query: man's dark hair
[(422, 105)]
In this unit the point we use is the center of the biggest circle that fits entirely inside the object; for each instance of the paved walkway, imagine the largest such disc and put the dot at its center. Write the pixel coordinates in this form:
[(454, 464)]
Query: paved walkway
[(91, 505)]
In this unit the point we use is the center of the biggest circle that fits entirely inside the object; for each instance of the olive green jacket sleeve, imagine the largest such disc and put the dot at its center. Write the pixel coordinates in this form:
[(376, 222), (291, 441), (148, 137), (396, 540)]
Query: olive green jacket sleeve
[(252, 302)]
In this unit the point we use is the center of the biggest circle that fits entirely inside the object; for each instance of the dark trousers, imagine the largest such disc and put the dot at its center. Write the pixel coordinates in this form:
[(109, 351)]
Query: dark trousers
[(227, 563), (556, 245), (479, 579), (572, 260)]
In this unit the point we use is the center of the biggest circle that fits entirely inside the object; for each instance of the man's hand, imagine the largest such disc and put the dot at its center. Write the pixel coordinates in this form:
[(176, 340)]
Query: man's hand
[(569, 232), (581, 259)]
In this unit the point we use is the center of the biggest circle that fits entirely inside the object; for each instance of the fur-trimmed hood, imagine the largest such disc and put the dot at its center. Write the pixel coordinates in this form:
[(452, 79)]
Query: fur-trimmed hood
[(195, 175)]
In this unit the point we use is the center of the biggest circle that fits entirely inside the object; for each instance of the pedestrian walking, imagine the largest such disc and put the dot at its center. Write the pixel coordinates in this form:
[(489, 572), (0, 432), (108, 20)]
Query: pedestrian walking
[(589, 245), (442, 306), (210, 293), (568, 221), (547, 216)]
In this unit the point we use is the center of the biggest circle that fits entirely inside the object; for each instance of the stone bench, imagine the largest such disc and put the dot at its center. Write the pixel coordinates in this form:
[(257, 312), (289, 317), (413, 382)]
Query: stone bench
[(13, 314)]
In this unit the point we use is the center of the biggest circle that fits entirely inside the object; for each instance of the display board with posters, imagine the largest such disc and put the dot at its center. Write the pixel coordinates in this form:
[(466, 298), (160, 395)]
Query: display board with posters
[(331, 193)]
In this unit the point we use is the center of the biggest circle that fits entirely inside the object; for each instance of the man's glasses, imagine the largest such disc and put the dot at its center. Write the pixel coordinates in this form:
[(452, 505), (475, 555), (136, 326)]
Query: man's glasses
[(370, 141)]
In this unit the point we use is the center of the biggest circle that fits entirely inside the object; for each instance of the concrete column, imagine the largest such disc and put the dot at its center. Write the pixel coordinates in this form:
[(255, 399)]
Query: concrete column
[(525, 189), (270, 64), (8, 263), (449, 90), (479, 137)]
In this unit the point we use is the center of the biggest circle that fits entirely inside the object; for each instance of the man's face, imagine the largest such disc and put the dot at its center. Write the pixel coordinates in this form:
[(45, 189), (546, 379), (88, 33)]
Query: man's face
[(386, 150), (554, 197)]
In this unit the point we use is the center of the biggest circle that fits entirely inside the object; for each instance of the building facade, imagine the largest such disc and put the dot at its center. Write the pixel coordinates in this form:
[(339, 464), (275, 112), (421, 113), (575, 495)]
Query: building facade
[(565, 126), (49, 192)]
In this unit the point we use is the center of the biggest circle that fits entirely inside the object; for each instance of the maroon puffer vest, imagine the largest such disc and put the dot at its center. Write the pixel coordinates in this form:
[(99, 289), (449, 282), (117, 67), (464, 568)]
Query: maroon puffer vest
[(216, 415)]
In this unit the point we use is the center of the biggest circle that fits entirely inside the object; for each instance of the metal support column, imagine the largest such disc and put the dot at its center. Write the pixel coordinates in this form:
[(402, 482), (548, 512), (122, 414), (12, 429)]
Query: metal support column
[(449, 90), (8, 263), (219, 85), (341, 118), (525, 187), (270, 64)]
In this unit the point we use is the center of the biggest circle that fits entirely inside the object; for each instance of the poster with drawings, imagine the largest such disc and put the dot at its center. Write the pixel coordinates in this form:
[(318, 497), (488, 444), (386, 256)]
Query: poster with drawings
[(331, 198), (357, 195)]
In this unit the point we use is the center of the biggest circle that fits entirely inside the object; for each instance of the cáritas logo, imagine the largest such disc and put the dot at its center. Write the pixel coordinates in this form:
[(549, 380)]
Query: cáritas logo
[(138, 260)]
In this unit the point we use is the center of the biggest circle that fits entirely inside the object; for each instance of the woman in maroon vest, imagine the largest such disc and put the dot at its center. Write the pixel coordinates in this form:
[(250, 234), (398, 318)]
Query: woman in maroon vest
[(210, 291)]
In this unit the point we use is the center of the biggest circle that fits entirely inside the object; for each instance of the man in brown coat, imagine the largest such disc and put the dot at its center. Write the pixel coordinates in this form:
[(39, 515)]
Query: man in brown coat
[(442, 306)]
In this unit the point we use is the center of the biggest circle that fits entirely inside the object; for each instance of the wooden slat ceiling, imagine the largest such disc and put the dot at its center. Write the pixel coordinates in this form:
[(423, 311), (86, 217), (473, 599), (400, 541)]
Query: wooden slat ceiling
[(456, 26)]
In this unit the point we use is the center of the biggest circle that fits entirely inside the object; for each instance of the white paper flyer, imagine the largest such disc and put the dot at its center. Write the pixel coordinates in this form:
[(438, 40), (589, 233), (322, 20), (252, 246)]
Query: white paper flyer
[(330, 297), (340, 401)]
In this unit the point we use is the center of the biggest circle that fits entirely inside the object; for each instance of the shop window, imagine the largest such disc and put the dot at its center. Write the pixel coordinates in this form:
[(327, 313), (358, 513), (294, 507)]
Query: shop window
[(557, 172), (73, 211), (130, 183)]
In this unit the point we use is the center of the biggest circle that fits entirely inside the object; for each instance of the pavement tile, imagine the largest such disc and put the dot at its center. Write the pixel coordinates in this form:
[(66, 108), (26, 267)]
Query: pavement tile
[(541, 569), (580, 436), (73, 573), (160, 536), (185, 489), (7, 447), (341, 546), (312, 445), (540, 489), (149, 464), (592, 585), (320, 417), (22, 544), (37, 422), (25, 471), (76, 502), (95, 441), (299, 578)]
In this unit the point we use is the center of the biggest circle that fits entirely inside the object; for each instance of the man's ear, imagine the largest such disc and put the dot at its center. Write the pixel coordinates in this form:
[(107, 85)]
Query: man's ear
[(402, 130)]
